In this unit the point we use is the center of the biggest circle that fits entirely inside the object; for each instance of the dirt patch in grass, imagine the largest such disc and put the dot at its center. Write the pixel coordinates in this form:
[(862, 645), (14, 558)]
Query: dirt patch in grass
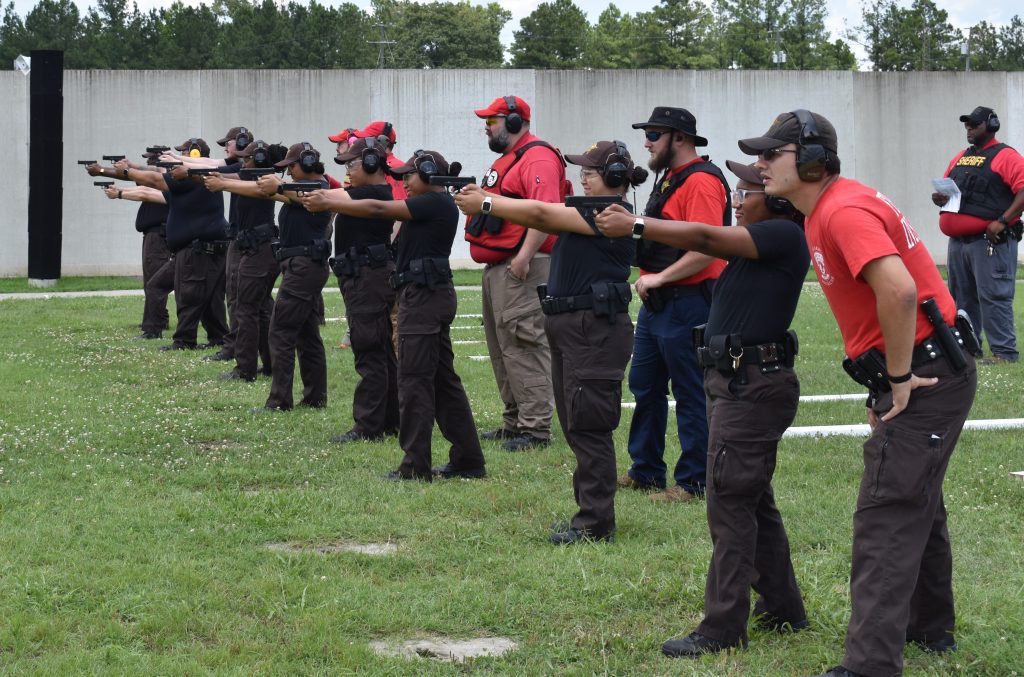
[(446, 649)]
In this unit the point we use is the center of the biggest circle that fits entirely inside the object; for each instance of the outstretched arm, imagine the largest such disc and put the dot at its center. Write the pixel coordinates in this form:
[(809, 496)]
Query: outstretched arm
[(717, 241)]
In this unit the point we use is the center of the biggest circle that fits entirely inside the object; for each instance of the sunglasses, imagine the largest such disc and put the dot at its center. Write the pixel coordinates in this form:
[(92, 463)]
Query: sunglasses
[(653, 136), (740, 194), (773, 154), (492, 120)]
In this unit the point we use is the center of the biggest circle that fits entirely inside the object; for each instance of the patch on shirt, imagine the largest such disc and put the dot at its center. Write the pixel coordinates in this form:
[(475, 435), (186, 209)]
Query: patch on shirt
[(824, 276), (491, 179)]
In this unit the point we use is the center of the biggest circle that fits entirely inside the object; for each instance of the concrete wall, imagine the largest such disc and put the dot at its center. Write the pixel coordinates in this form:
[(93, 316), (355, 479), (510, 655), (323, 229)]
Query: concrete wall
[(897, 130)]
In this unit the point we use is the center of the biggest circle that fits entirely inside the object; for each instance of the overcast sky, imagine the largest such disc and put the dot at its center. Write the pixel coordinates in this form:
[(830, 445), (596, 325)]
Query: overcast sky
[(843, 14)]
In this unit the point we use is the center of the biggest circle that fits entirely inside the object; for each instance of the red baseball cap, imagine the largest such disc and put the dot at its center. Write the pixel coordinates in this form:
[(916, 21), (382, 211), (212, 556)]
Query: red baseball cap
[(343, 135), (500, 106), (378, 128)]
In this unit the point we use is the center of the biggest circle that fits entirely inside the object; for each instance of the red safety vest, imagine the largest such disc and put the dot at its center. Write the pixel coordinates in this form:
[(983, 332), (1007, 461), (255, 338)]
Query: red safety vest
[(493, 245)]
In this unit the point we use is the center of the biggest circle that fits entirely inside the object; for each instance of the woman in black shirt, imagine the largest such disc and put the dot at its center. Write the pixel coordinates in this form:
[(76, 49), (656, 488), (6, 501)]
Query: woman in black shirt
[(428, 387), (588, 326)]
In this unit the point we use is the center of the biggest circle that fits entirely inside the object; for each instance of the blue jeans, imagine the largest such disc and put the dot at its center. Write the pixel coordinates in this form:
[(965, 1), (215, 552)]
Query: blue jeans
[(663, 351), (983, 286)]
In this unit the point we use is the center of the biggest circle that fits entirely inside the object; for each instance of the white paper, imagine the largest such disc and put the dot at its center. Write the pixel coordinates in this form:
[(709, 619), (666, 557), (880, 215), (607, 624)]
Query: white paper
[(948, 187)]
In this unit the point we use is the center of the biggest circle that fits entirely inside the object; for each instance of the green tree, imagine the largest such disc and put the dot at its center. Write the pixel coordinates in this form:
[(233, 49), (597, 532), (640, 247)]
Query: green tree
[(1011, 45), (805, 40), (552, 36), (55, 24), (438, 34), (116, 36), (612, 40), (13, 37), (754, 32), (188, 37), (917, 38)]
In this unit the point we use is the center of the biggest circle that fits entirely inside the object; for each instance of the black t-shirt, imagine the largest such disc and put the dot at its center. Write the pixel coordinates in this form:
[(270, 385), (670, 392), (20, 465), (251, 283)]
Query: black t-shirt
[(300, 227), (756, 298), (578, 261), (431, 230), (254, 211), (360, 232), (233, 216), (151, 215), (194, 213)]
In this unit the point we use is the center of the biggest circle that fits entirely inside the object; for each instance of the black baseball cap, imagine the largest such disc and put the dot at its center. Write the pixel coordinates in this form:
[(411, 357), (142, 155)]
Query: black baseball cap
[(978, 115)]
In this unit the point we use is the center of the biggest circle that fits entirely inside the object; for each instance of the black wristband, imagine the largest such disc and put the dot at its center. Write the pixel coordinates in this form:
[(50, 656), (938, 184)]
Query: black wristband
[(1003, 220), (901, 379), (118, 195)]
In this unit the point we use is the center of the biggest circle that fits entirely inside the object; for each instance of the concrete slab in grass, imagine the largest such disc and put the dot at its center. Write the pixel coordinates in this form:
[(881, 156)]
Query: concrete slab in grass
[(445, 649)]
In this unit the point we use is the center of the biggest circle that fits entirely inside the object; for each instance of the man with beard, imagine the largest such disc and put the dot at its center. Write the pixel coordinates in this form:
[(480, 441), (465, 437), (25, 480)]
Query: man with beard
[(675, 286), (517, 261)]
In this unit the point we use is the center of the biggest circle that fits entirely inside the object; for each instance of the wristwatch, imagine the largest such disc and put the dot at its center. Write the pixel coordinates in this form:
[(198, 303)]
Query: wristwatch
[(485, 208), (638, 229), (1003, 220)]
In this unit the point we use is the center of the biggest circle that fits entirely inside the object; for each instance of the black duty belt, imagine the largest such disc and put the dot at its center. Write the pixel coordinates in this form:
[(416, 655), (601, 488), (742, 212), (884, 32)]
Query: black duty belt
[(425, 272), (252, 238), (726, 352), (373, 256), (212, 247), (606, 299), (769, 356), (967, 239), (317, 251)]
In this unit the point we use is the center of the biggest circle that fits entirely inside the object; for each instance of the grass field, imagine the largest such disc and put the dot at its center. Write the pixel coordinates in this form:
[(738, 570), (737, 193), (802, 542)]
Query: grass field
[(138, 494)]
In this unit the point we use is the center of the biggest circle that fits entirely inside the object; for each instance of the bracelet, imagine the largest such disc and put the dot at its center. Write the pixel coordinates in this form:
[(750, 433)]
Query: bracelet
[(901, 379), (125, 172), (119, 194)]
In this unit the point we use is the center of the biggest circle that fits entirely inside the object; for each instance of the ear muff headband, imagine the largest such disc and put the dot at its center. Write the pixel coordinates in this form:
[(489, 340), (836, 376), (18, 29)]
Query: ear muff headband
[(778, 205), (242, 139), (370, 158), (308, 157), (425, 165), (386, 132), (513, 121), (616, 168), (261, 156), (812, 159)]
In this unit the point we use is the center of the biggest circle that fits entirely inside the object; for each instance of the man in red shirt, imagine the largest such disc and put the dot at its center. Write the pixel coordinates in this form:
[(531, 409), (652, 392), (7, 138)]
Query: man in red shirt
[(982, 255), (875, 273), (517, 260), (675, 286)]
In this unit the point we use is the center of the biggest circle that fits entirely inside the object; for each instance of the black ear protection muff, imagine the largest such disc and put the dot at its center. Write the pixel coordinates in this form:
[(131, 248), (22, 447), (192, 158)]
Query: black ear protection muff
[(812, 159), (513, 121), (308, 157), (778, 205), (242, 139), (425, 165), (992, 123), (616, 168), (370, 157), (261, 155)]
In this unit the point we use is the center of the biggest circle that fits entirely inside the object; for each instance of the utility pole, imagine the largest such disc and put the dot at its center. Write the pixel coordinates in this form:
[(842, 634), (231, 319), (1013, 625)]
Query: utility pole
[(385, 54), (967, 50), (778, 56)]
